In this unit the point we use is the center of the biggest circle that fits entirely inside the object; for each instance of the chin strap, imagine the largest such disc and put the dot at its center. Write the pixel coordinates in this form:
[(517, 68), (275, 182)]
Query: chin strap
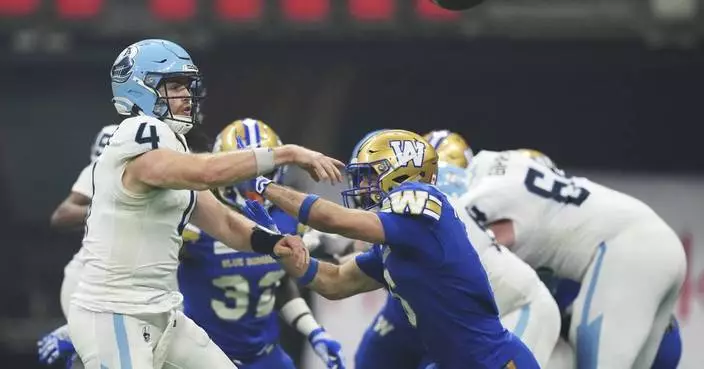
[(177, 125)]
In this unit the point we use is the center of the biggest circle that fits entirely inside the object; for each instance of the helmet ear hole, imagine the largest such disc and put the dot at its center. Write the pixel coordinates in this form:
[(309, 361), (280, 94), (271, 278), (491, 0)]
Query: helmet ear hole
[(401, 178)]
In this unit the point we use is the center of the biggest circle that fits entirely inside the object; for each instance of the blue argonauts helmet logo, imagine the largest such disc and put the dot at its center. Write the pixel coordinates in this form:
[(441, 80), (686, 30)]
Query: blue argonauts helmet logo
[(124, 64)]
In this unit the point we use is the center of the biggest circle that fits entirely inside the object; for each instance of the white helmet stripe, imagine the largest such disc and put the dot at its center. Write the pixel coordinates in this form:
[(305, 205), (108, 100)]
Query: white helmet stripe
[(251, 135)]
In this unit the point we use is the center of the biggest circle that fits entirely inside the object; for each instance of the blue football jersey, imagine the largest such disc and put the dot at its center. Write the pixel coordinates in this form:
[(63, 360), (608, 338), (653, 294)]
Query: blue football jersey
[(231, 294), (429, 265), (390, 341)]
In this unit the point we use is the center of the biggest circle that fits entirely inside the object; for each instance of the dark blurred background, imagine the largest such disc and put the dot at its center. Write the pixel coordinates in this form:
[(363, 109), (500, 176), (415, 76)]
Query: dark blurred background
[(598, 85)]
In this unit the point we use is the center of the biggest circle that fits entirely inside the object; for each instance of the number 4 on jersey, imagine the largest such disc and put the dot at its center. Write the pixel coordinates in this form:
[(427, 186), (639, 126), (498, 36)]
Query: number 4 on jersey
[(153, 138)]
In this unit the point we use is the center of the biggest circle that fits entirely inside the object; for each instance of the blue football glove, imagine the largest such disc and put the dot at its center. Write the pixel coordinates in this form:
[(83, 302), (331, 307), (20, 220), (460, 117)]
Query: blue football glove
[(255, 211), (329, 350), (55, 345)]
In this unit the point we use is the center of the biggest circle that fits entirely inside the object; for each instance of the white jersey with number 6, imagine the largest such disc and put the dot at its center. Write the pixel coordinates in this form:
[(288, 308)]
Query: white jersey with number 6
[(558, 220), (132, 240), (616, 246)]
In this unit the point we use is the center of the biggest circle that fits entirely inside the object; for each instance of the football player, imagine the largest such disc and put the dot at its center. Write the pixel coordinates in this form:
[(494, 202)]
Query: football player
[(146, 187), (422, 253), (70, 215), (614, 245), (525, 305), (234, 295)]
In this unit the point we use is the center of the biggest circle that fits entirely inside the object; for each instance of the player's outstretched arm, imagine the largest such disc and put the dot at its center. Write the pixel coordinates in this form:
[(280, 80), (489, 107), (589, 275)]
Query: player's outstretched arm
[(71, 213), (331, 281), (240, 233), (327, 216), (164, 168)]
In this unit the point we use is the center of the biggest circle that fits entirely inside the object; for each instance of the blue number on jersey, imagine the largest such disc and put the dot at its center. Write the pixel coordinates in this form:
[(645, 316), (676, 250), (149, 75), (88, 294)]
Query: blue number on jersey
[(231, 294), (432, 269)]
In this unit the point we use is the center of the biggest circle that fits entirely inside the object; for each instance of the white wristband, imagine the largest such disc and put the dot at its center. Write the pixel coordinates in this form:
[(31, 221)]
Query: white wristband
[(298, 315), (265, 160)]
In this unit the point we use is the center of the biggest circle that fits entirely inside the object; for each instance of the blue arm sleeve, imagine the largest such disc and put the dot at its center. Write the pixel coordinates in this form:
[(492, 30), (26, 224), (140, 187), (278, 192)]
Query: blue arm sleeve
[(371, 264)]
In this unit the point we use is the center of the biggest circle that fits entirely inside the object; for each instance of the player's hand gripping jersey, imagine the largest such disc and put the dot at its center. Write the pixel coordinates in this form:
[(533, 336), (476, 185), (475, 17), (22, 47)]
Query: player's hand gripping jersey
[(431, 268), (231, 294), (132, 241)]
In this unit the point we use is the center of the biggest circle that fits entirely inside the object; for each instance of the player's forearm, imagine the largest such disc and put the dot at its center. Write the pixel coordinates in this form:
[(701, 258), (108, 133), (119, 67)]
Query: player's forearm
[(169, 169), (226, 168), (225, 225), (325, 215), (294, 309), (319, 276), (330, 284), (287, 291), (69, 216), (239, 232)]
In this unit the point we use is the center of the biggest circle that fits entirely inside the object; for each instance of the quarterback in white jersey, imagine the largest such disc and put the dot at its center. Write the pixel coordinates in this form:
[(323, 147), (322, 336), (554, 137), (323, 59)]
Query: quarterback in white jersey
[(526, 307), (146, 187), (616, 246)]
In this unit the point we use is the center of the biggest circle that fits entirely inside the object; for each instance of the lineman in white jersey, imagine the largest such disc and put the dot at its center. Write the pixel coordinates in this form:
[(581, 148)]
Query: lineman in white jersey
[(616, 246), (526, 306), (124, 311), (70, 215)]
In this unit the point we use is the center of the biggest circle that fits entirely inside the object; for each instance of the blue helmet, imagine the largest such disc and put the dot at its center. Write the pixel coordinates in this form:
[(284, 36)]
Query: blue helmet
[(138, 72), (452, 180)]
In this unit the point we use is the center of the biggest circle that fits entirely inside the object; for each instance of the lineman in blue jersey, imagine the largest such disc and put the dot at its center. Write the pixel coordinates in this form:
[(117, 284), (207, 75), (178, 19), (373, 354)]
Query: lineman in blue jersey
[(390, 341), (234, 295), (422, 253)]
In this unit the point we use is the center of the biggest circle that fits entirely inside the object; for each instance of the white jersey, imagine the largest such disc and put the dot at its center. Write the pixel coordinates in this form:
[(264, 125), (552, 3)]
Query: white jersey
[(513, 281), (84, 182), (102, 139), (559, 221), (83, 186), (132, 240)]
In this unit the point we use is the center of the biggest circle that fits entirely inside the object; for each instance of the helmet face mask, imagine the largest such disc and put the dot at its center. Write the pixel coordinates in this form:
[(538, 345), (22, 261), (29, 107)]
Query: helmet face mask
[(365, 190), (165, 101)]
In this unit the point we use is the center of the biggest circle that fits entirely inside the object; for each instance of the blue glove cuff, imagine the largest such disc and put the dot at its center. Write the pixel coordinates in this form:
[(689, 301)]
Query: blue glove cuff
[(304, 211), (310, 273)]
